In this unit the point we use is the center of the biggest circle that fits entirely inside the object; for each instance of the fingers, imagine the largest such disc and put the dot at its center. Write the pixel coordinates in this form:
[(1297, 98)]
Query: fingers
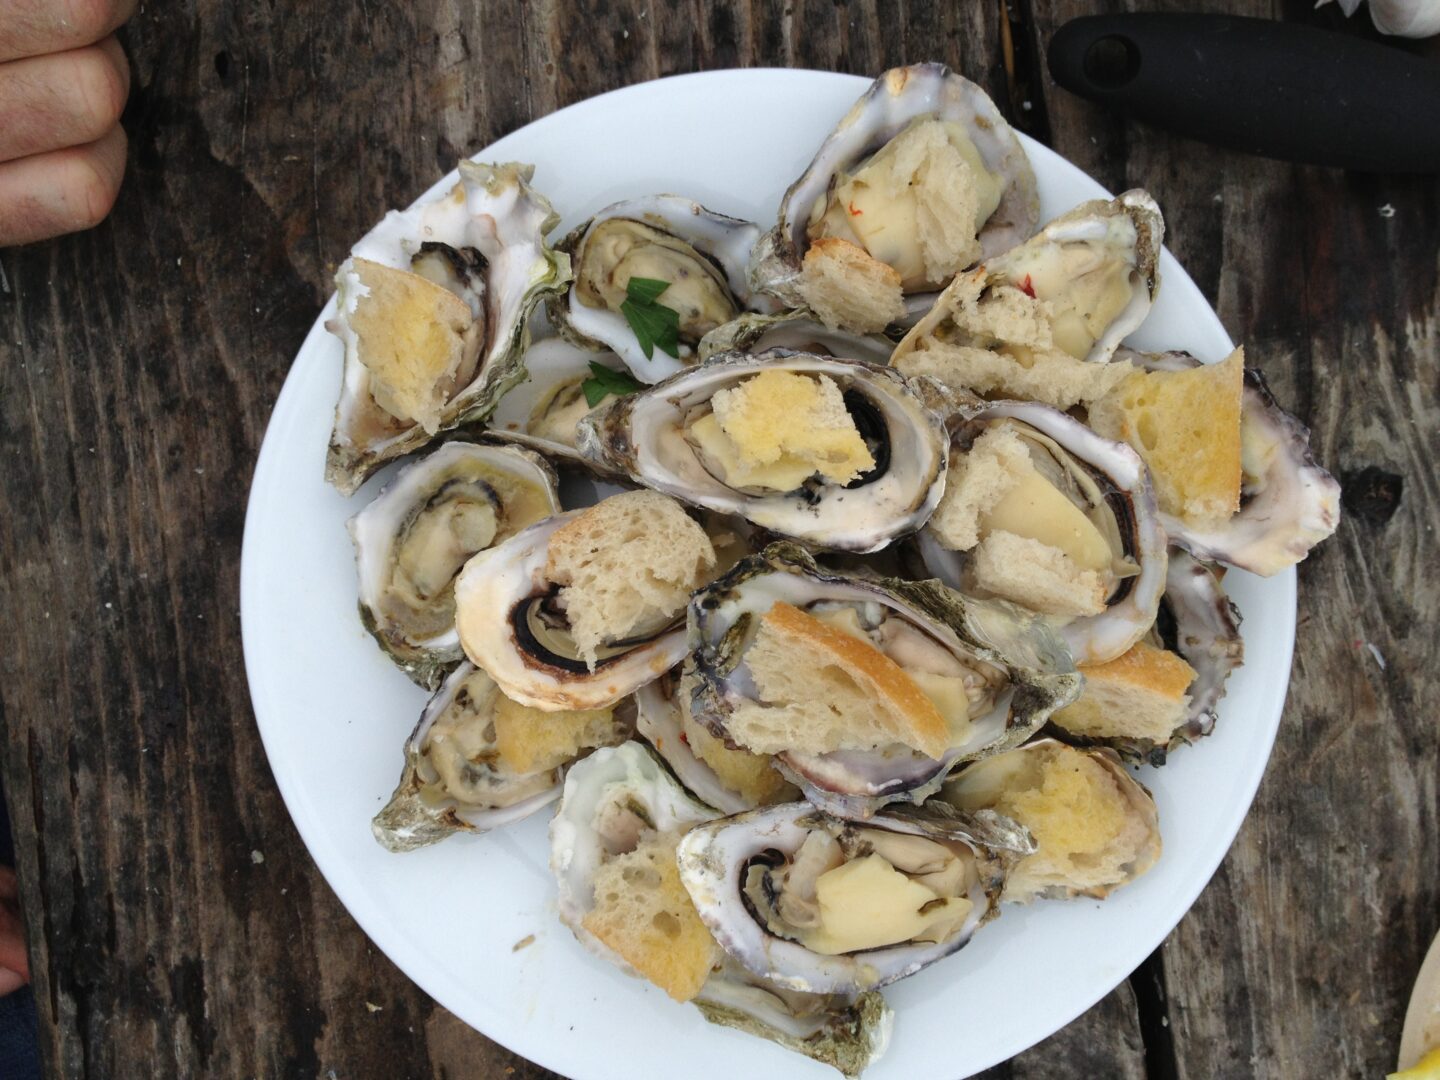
[(37, 27), (60, 192), (68, 99)]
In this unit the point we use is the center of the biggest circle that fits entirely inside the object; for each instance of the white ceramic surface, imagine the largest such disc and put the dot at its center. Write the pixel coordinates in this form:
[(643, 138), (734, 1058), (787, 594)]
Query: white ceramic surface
[(333, 712)]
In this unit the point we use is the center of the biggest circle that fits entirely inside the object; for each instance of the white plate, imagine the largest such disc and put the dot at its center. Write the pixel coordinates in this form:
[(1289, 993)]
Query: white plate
[(333, 712)]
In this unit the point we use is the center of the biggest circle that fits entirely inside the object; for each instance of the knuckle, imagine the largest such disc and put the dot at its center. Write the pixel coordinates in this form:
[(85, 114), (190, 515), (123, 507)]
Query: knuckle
[(90, 20), (93, 190), (101, 86)]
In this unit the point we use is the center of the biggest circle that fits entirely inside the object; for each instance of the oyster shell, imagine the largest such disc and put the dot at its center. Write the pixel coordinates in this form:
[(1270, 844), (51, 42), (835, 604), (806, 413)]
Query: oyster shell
[(1042, 321), (702, 255), (759, 882), (412, 540), (510, 625), (454, 778), (651, 437), (544, 410), (999, 178), (1288, 502), (798, 330), (1065, 797), (1105, 481), (483, 242), (1014, 669), (1199, 622)]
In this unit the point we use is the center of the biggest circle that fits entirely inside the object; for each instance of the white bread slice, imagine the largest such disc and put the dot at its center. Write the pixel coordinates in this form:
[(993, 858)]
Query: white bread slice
[(412, 336), (1036, 575), (643, 913), (627, 565), (846, 288), (1054, 377), (530, 741), (753, 776), (1186, 425), (978, 480), (829, 691), (1139, 694)]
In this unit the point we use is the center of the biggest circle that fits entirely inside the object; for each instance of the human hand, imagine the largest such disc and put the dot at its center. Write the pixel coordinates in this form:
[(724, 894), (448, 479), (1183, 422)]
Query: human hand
[(14, 962), (63, 84)]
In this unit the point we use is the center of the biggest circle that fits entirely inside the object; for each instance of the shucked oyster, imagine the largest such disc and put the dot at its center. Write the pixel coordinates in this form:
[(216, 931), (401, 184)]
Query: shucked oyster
[(411, 542), (837, 453), (868, 691), (612, 850), (811, 902), (922, 178), (477, 761), (1095, 826), (1042, 321), (698, 254), (1041, 511), (798, 330), (432, 308), (556, 615), (545, 409)]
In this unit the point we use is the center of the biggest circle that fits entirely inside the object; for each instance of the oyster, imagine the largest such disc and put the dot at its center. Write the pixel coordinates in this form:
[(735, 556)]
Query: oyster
[(412, 540), (543, 650), (815, 903), (670, 438), (432, 308), (922, 178), (700, 255), (728, 779), (993, 674), (1042, 321), (1095, 826), (798, 330), (1042, 511), (1288, 502), (544, 410), (461, 761), (1198, 622)]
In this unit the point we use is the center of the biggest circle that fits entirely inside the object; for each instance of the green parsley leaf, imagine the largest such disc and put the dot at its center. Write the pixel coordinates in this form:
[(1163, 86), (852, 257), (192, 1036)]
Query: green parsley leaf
[(654, 325), (604, 382), (644, 290)]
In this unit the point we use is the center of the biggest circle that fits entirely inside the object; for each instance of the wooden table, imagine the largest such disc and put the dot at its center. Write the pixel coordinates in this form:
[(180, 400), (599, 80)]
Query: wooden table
[(177, 925)]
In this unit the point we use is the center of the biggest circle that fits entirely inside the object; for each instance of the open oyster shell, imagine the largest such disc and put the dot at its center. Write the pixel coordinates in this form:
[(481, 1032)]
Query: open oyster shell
[(645, 436), (701, 254), (544, 410), (412, 540), (1023, 671), (1110, 484), (1016, 784), (896, 99), (484, 241), (798, 330), (1288, 502), (453, 780), (509, 625), (1042, 321), (754, 886)]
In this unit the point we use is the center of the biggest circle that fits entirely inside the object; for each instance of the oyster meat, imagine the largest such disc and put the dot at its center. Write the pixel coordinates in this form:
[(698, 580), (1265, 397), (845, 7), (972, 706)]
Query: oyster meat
[(699, 255), (476, 761), (981, 677), (545, 409), (921, 178), (412, 540), (1042, 321), (814, 903), (834, 452), (432, 308)]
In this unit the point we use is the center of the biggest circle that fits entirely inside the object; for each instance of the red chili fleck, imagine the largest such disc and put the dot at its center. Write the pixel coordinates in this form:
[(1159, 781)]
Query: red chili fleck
[(1027, 288), (853, 211)]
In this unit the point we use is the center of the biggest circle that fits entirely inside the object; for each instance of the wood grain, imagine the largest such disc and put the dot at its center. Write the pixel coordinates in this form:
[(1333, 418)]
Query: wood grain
[(177, 925)]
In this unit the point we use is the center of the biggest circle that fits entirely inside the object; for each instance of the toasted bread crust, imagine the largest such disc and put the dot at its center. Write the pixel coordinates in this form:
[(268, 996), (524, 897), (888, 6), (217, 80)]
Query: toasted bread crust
[(1145, 667)]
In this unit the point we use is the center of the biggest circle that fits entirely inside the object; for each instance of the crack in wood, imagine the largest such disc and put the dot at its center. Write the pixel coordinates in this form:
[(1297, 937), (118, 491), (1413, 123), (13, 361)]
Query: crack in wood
[(1153, 1006)]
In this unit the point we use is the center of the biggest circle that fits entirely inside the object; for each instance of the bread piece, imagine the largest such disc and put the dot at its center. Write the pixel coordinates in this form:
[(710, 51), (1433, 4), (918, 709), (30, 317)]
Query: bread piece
[(1037, 576), (627, 565), (1186, 425), (846, 288), (412, 335), (1054, 377), (1140, 694), (643, 913), (978, 480), (1086, 830), (752, 776), (529, 740), (828, 691)]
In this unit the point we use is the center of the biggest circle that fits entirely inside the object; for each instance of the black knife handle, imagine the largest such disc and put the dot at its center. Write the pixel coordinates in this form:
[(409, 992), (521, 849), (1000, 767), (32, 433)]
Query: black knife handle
[(1281, 90)]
